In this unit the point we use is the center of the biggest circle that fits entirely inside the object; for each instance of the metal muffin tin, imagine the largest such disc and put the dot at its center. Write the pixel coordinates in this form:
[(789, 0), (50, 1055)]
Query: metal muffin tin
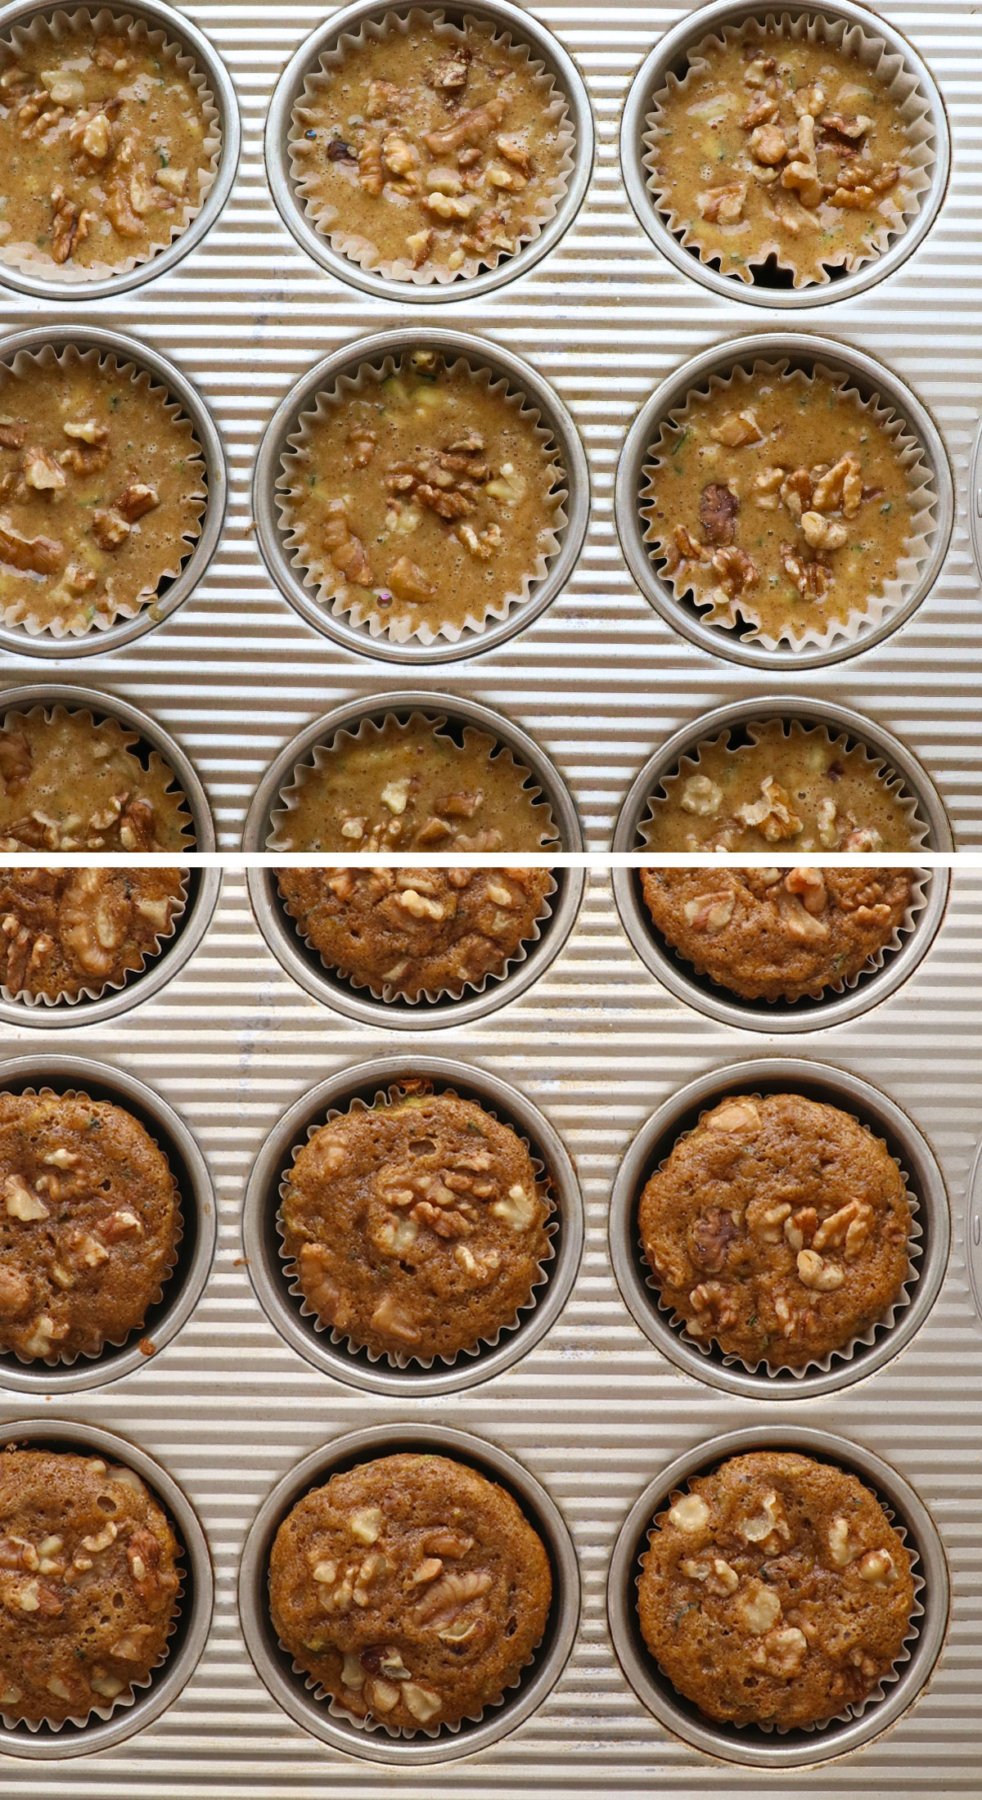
[(193, 1619), (506, 18), (671, 55), (281, 561), (186, 1282), (292, 1691), (801, 351), (457, 712), (266, 1261), (180, 30), (831, 1086), (794, 1748)]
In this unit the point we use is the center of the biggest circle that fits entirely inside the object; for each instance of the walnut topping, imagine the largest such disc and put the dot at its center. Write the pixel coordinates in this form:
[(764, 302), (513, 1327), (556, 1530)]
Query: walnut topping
[(714, 1572), (736, 1115), (782, 1652), (718, 509), (876, 1567), (815, 1272), (21, 1202), (759, 1607), (424, 1703), (769, 1527), (689, 1513), (738, 429), (701, 796), (710, 912), (723, 205), (517, 1208), (771, 815), (366, 1524)]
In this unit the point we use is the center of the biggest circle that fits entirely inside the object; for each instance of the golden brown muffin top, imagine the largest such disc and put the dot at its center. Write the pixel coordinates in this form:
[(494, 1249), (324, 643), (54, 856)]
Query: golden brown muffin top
[(64, 931)]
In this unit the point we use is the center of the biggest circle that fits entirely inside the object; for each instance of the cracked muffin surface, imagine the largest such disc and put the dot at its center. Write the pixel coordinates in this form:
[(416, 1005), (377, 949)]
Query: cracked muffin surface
[(89, 1221), (63, 931), (88, 1583), (775, 1591), (777, 1229), (69, 781), (412, 1589), (417, 1225), (410, 932), (774, 934)]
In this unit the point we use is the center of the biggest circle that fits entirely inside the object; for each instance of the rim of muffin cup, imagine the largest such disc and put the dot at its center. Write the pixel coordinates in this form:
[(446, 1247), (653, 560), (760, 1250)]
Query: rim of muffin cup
[(182, 31), (455, 710), (523, 28), (672, 969), (185, 1281), (863, 373), (192, 1618), (797, 1746), (908, 1147), (283, 936), (294, 1691), (97, 641), (480, 353), (269, 1265), (671, 53)]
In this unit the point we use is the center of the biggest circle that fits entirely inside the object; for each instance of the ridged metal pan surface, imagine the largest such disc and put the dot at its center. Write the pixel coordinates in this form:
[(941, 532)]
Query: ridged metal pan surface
[(593, 1412)]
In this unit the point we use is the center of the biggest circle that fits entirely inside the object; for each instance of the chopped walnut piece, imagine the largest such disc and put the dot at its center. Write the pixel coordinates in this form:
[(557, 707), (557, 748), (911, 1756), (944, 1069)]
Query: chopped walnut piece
[(346, 551), (718, 509), (768, 145), (772, 814), (723, 205), (41, 472), (41, 555), (136, 500), (701, 796), (738, 429), (472, 127), (408, 581)]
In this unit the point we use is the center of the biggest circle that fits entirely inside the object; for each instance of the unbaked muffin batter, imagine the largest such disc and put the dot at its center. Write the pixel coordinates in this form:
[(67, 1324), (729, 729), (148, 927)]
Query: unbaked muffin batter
[(69, 782)]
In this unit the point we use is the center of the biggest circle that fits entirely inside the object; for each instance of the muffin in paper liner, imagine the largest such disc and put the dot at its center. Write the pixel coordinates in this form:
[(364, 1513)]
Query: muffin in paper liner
[(859, 1707), (874, 56), (193, 505), (814, 630), (324, 578), (441, 724), (69, 1360), (95, 991), (397, 1360), (360, 250), (57, 27), (388, 992), (711, 1350)]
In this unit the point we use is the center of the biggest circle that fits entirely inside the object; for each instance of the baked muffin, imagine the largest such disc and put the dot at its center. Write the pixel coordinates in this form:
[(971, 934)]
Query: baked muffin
[(69, 781), (412, 932), (775, 1591), (67, 931), (88, 1584), (778, 1229), (411, 1589), (773, 934), (417, 1225), (89, 1224), (785, 784), (411, 786)]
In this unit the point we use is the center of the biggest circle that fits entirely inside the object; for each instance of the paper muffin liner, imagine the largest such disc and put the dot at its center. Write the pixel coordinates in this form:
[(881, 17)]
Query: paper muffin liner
[(922, 496), (710, 1349), (553, 105), (47, 358), (387, 992), (873, 55), (68, 1360), (107, 1709), (858, 1707), (22, 996), (399, 1359), (58, 27), (319, 574), (314, 761)]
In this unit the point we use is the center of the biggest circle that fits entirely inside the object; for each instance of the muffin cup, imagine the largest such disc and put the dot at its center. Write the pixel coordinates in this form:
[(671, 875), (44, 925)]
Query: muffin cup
[(274, 1275), (184, 46), (373, 19), (346, 372), (194, 1249), (888, 401), (299, 1696), (45, 346), (877, 44), (117, 1720), (277, 793), (930, 1235), (783, 1748)]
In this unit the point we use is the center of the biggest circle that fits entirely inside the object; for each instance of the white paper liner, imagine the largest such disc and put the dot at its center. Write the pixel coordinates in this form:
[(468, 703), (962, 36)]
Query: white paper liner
[(553, 105), (105, 1711), (388, 992), (710, 1348), (315, 758), (399, 1359), (23, 997), (60, 24), (318, 573), (873, 55), (817, 631), (24, 363)]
